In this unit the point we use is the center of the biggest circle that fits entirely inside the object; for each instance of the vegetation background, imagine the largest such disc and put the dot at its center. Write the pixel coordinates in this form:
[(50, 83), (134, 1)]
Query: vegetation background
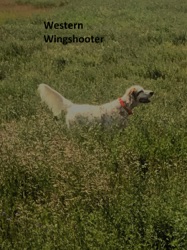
[(79, 189)]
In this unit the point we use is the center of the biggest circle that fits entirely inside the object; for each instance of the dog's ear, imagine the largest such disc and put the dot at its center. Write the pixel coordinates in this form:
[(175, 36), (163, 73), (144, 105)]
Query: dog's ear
[(132, 91), (131, 94)]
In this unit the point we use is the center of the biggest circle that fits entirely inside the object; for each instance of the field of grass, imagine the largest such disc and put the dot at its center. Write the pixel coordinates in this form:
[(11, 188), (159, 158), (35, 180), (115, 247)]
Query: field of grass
[(94, 190)]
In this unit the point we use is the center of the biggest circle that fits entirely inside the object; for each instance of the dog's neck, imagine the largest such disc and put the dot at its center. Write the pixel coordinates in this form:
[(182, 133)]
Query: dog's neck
[(125, 106), (129, 102)]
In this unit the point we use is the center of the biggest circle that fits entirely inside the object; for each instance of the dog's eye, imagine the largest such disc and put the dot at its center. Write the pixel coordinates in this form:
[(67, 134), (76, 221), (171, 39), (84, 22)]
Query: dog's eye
[(139, 93)]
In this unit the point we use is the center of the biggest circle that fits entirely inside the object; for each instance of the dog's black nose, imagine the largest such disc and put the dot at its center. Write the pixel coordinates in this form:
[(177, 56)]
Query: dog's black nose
[(151, 93)]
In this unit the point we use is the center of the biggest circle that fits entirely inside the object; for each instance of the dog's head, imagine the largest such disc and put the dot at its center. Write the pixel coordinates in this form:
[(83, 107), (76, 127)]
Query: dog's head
[(136, 95)]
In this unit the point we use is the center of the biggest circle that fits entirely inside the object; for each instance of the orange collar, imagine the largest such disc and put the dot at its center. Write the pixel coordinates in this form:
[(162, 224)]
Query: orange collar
[(123, 104)]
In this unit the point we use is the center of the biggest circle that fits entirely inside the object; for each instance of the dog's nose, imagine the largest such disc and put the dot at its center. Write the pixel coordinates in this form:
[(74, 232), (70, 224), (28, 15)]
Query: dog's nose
[(151, 93)]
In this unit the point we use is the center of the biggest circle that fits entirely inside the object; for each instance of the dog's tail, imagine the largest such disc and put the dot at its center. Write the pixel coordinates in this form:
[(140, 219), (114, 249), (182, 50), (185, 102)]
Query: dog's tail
[(55, 101)]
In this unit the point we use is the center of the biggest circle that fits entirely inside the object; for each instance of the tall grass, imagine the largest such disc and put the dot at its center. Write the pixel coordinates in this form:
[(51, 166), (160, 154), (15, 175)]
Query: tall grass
[(87, 188), (43, 3)]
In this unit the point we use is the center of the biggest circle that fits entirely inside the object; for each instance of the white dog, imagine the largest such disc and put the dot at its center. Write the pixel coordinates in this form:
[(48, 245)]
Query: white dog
[(112, 113)]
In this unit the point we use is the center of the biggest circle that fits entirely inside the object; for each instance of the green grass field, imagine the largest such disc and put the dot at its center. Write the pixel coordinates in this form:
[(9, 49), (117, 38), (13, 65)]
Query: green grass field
[(89, 190)]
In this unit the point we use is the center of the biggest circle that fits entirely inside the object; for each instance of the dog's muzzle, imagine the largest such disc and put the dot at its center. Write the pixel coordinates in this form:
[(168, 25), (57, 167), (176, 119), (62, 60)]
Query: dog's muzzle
[(144, 98)]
